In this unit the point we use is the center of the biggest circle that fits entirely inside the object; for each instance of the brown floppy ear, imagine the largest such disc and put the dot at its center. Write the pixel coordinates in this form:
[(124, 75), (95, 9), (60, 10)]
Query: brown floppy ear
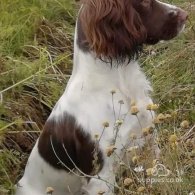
[(112, 28)]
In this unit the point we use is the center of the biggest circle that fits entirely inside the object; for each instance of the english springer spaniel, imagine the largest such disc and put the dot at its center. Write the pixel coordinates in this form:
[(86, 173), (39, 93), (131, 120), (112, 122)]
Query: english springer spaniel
[(71, 156)]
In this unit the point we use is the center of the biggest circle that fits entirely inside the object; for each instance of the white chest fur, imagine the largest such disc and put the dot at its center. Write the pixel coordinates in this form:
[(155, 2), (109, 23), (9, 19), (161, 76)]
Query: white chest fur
[(89, 99)]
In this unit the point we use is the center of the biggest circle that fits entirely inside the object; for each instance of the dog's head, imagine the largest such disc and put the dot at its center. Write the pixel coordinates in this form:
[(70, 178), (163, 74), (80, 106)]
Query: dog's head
[(116, 29)]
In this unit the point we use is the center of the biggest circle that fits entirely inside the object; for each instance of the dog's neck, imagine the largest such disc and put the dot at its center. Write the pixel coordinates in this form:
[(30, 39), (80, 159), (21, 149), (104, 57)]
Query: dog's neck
[(88, 91), (99, 74)]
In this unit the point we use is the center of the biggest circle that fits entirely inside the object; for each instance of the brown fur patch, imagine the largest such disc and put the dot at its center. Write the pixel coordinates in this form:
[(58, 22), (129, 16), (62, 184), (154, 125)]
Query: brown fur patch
[(112, 28), (79, 145)]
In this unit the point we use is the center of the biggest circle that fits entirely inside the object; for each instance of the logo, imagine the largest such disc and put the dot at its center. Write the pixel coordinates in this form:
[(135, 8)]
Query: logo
[(160, 170), (159, 174)]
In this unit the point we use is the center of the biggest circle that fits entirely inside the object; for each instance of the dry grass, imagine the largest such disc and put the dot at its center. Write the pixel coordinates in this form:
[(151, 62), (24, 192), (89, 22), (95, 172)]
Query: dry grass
[(35, 58)]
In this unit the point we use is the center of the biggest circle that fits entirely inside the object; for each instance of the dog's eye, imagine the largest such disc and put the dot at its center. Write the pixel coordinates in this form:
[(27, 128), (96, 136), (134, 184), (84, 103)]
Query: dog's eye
[(146, 3)]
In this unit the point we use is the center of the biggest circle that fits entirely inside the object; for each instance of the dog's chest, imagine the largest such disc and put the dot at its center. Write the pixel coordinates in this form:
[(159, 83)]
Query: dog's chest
[(100, 102)]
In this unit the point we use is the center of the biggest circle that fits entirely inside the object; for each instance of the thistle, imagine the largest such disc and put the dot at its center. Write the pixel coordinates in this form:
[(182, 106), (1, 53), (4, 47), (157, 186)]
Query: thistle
[(185, 124), (133, 136), (105, 124), (149, 171), (173, 138), (49, 190), (101, 192), (161, 117), (119, 122), (154, 107), (134, 110), (110, 150), (127, 182), (133, 103), (113, 92)]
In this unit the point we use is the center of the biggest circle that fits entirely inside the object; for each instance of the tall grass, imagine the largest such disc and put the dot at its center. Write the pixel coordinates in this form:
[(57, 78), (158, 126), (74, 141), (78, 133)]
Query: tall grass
[(35, 63)]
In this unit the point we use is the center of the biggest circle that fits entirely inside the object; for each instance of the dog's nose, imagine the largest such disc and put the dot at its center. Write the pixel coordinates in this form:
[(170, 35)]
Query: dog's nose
[(179, 13), (183, 15)]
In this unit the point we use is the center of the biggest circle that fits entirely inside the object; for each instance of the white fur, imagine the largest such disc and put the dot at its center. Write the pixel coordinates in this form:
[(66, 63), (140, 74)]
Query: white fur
[(39, 175)]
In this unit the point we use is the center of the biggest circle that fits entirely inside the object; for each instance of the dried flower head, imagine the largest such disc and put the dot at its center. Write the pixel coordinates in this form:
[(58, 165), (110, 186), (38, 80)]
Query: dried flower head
[(49, 190), (154, 107), (145, 131), (149, 171), (150, 130), (113, 92), (134, 110), (133, 136), (168, 116), (161, 117), (110, 150), (149, 107), (105, 124), (101, 192), (119, 122), (174, 145), (173, 138), (185, 124), (127, 182), (96, 136)]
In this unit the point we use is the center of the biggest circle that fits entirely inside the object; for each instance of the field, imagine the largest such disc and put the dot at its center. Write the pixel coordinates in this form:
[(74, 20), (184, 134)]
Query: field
[(36, 50)]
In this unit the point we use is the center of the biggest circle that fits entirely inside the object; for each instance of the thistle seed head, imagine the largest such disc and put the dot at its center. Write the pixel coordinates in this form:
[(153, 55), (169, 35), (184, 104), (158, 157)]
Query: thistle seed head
[(173, 138), (110, 150), (105, 124), (134, 110), (113, 92), (154, 107), (49, 190), (185, 124), (127, 182)]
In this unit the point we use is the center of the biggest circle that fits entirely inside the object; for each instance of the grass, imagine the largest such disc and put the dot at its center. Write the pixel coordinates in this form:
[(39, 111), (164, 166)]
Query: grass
[(35, 63), (35, 58)]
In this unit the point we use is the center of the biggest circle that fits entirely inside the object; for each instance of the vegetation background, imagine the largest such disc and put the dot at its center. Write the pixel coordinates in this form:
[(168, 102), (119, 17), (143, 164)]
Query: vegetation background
[(36, 50)]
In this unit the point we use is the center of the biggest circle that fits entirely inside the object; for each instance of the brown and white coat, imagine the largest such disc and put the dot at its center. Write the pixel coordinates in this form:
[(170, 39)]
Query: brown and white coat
[(108, 39)]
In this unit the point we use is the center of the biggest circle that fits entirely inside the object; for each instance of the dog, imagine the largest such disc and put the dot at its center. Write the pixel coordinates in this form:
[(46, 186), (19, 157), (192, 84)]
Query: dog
[(71, 155)]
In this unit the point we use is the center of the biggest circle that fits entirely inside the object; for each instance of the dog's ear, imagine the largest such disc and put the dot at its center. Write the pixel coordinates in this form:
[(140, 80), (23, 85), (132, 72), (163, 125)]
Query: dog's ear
[(113, 29)]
